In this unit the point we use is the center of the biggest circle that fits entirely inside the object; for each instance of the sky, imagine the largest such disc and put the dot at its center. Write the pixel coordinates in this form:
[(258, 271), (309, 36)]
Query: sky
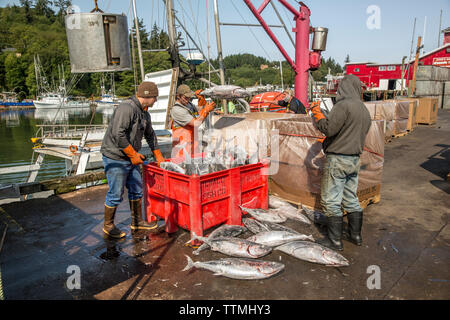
[(367, 30)]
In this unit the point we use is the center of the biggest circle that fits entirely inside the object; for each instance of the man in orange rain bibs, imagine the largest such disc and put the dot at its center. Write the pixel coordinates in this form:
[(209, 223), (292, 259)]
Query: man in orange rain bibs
[(186, 119)]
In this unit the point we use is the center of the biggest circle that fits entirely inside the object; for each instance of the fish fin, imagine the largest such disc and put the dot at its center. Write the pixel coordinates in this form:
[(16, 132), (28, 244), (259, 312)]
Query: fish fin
[(190, 264)]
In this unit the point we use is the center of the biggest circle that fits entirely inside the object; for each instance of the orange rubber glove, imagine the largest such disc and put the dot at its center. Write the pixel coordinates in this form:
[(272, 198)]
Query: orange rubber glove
[(315, 109), (201, 99), (158, 156), (136, 158), (207, 109)]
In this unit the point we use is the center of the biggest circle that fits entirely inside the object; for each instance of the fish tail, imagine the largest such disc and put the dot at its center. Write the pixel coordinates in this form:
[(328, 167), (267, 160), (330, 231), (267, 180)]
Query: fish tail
[(190, 264), (196, 237)]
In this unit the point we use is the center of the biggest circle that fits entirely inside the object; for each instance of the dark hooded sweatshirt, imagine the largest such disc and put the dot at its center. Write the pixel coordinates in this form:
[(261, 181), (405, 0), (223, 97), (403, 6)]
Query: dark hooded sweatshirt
[(128, 125), (348, 122)]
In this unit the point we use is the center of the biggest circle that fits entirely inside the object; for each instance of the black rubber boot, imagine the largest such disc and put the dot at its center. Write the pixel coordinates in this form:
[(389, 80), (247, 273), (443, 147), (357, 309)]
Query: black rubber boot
[(355, 220), (108, 226), (334, 230), (137, 223)]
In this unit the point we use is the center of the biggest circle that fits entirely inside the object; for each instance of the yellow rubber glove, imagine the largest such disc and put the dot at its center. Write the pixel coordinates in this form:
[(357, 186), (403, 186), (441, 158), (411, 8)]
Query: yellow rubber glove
[(135, 157)]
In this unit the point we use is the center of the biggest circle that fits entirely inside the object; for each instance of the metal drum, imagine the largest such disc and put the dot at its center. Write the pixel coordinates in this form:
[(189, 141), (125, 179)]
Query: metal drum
[(320, 39), (98, 42)]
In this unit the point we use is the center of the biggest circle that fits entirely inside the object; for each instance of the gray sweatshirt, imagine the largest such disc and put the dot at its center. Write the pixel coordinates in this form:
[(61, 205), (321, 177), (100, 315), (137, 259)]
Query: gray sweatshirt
[(348, 123), (128, 125)]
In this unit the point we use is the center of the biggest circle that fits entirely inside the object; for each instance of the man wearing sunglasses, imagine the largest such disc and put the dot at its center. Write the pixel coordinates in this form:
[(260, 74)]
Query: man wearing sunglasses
[(186, 119)]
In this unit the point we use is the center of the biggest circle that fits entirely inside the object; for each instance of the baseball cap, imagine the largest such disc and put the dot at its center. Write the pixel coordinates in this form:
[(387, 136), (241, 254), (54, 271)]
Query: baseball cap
[(186, 91)]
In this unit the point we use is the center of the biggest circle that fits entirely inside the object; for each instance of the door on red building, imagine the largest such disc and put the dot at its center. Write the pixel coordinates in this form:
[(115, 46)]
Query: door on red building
[(392, 84)]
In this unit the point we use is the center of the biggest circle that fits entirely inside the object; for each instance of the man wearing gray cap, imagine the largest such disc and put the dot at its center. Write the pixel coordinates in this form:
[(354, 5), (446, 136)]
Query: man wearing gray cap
[(122, 141), (186, 118)]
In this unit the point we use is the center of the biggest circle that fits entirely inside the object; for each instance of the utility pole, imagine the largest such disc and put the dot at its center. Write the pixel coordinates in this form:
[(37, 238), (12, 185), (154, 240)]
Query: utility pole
[(439, 33), (410, 52), (424, 32), (134, 60), (416, 62), (138, 38), (281, 74), (403, 73), (219, 52)]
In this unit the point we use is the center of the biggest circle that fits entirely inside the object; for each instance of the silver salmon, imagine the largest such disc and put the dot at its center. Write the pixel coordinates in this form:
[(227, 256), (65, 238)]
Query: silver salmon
[(244, 269), (225, 92), (170, 166), (313, 252), (271, 215), (225, 230), (293, 213), (254, 225), (286, 209), (235, 247), (276, 202), (277, 238), (315, 216)]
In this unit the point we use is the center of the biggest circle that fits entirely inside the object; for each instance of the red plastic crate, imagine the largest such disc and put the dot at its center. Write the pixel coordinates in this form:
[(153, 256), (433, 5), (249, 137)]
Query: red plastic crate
[(197, 203)]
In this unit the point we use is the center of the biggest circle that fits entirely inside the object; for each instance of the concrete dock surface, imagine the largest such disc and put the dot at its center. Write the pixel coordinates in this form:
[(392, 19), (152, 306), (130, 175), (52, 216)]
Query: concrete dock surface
[(405, 252)]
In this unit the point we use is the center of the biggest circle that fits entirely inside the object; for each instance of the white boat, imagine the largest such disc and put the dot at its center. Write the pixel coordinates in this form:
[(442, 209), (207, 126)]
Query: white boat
[(108, 100), (55, 101)]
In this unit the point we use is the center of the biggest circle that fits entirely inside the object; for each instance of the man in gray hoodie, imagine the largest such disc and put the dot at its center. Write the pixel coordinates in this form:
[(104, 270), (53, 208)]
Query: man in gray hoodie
[(345, 128)]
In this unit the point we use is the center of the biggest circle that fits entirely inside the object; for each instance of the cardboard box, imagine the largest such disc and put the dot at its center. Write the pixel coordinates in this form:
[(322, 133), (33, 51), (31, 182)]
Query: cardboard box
[(427, 111), (412, 118)]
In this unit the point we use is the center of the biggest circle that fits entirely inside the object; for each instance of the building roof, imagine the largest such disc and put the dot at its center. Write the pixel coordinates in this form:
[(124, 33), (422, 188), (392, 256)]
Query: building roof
[(383, 64), (358, 63), (431, 52)]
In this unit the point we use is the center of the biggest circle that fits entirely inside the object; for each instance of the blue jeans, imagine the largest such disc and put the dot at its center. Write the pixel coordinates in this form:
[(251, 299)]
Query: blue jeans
[(120, 174), (339, 184)]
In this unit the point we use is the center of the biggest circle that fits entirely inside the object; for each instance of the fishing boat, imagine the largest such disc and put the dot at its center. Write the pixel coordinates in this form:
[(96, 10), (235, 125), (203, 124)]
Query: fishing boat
[(56, 100)]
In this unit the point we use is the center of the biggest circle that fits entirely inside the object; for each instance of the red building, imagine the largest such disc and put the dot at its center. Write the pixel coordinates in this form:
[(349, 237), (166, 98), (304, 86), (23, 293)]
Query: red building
[(388, 76)]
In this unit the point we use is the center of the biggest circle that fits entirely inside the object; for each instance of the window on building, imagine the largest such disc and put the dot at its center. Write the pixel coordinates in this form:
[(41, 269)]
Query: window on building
[(356, 69), (382, 68), (391, 68)]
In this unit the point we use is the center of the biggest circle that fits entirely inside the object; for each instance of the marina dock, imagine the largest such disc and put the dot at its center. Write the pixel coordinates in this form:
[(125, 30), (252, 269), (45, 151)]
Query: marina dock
[(406, 235)]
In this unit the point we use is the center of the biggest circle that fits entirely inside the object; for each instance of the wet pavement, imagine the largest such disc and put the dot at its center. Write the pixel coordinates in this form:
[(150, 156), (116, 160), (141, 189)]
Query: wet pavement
[(406, 238)]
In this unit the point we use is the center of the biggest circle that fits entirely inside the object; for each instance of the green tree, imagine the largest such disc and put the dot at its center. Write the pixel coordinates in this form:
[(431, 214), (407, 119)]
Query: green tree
[(15, 74)]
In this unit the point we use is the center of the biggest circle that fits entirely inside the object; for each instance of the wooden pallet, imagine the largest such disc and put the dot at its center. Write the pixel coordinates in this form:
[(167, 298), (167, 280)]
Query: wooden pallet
[(401, 134), (375, 199)]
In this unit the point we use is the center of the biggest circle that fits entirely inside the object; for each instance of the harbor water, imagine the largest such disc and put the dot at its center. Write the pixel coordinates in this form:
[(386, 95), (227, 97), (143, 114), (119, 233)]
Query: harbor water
[(18, 126)]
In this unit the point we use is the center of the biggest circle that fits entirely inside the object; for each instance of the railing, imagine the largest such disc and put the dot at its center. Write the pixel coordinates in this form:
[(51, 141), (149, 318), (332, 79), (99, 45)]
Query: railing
[(66, 130)]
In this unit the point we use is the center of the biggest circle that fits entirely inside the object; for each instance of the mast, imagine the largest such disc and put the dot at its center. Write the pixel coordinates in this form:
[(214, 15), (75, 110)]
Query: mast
[(173, 49), (219, 52), (439, 33), (138, 38), (36, 75)]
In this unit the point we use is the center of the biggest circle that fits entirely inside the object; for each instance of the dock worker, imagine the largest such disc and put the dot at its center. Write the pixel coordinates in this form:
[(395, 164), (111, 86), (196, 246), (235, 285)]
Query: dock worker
[(345, 128), (121, 158), (292, 104), (187, 118)]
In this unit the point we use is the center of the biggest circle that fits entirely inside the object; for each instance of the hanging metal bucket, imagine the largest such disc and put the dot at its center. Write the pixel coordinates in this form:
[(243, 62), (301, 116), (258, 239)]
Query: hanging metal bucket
[(98, 42), (320, 39)]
